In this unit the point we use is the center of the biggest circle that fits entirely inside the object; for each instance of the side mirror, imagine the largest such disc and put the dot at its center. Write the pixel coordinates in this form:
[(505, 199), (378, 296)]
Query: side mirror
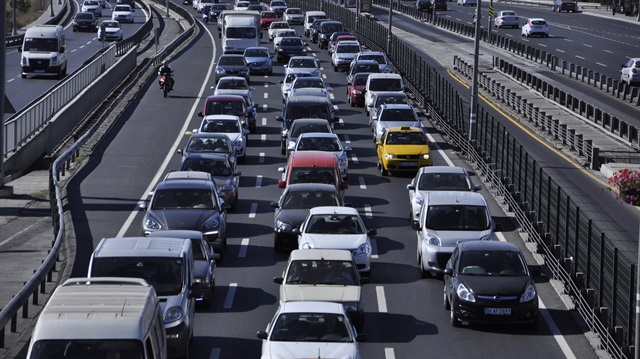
[(278, 280), (282, 184), (216, 256), (280, 82), (416, 225), (179, 151), (379, 143), (448, 271), (280, 169), (143, 206), (225, 206), (347, 149), (329, 89), (372, 232), (411, 187), (296, 231), (274, 204), (200, 114), (477, 187), (535, 272), (279, 119), (336, 119), (246, 132), (262, 335), (285, 66)]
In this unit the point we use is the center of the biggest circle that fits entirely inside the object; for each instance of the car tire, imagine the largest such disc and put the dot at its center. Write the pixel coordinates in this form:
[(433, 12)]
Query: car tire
[(242, 159), (455, 321), (445, 299), (383, 171), (278, 246), (283, 151), (335, 68), (423, 273)]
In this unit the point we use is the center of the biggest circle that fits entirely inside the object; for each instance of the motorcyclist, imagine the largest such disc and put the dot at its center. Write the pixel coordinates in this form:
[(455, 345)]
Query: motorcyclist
[(205, 14), (165, 70)]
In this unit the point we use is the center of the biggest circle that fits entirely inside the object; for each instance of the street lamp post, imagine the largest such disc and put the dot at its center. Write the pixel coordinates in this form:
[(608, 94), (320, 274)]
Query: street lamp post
[(390, 24), (51, 6), (474, 84)]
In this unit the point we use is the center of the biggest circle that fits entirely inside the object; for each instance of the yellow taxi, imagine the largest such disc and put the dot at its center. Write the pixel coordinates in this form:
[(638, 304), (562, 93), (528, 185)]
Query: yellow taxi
[(403, 149)]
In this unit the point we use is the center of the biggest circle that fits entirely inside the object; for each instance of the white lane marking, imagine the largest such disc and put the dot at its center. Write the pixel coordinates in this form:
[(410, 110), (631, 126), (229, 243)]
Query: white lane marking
[(267, 84), (172, 148), (587, 45), (264, 121), (228, 301), (253, 210), (332, 97), (10, 80), (266, 95), (23, 231), (568, 40), (374, 249), (261, 160), (367, 211), (347, 139), (263, 138), (82, 46), (354, 158), (389, 353), (264, 107), (88, 42), (244, 245), (362, 184), (601, 64), (580, 57), (439, 149), (382, 302), (314, 54), (557, 335), (324, 77), (543, 45), (609, 51), (259, 181), (215, 353), (341, 121), (74, 50), (560, 50)]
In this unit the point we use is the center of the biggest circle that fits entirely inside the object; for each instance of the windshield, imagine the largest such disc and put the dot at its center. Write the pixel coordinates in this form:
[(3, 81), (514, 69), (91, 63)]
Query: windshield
[(219, 145), (334, 224), (80, 349), (111, 24), (183, 198), (311, 327), (232, 84), (377, 58), (269, 15), (399, 99), (365, 68), (165, 274), (492, 263), (279, 25), (304, 63), (307, 110), (34, 44), (407, 138), (444, 182), (386, 85), (122, 8), (457, 218), (256, 53), (215, 166), (225, 126), (321, 272), (308, 200), (360, 80), (84, 16), (298, 129), (397, 114), (319, 144), (312, 175), (293, 76), (294, 11), (241, 32), (308, 83), (231, 60), (331, 28), (291, 42), (234, 108), (348, 49)]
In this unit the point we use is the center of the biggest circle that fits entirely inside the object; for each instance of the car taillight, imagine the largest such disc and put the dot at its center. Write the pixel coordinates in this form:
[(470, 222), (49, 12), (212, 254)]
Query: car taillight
[(502, 19), (530, 25), (633, 70)]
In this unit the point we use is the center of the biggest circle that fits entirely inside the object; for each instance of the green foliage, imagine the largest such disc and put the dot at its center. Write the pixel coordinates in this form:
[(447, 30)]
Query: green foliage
[(23, 5)]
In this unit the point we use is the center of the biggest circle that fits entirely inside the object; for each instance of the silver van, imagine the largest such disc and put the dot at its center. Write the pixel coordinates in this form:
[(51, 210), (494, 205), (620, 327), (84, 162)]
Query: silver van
[(166, 264), (100, 318)]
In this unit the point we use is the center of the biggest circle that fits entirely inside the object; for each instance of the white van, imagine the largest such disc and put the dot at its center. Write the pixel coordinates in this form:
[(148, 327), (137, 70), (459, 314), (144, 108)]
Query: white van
[(44, 51), (379, 83), (240, 32), (309, 16), (166, 264), (100, 318)]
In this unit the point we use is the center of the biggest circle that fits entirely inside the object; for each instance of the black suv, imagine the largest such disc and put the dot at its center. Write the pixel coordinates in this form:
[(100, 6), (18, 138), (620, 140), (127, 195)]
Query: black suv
[(85, 21), (304, 107)]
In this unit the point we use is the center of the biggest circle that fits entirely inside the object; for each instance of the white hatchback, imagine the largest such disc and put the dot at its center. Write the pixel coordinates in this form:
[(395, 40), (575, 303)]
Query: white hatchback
[(230, 126), (122, 13), (535, 27)]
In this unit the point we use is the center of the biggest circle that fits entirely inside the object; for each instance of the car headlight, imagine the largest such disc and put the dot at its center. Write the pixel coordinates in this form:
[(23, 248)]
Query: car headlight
[(24, 61), (350, 307), (307, 245), (244, 71), (465, 294), (225, 188), (426, 156), (304, 51), (238, 142), (529, 294), (152, 223), (283, 226), (434, 240), (362, 250), (173, 314), (220, 71), (356, 92), (388, 156), (280, 50), (211, 223), (54, 60), (284, 133)]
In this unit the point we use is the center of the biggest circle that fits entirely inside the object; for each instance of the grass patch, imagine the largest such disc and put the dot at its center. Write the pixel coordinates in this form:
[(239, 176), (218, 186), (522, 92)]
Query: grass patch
[(43, 195), (25, 18)]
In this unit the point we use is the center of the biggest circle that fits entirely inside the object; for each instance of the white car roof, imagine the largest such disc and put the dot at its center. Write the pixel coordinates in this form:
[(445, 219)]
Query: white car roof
[(220, 117), (442, 169), (317, 134), (324, 254), (312, 307), (456, 198), (333, 209)]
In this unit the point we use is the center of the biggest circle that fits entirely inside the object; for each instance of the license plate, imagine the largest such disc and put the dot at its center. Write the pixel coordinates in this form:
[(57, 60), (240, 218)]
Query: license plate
[(408, 164), (38, 70), (497, 311)]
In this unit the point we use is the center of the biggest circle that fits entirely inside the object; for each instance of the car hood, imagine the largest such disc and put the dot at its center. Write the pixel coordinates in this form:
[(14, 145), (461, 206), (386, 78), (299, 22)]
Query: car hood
[(232, 67), (223, 180), (256, 59), (200, 268), (495, 285), (334, 241), (451, 238), (295, 350), (191, 218), (407, 149), (294, 217), (320, 292)]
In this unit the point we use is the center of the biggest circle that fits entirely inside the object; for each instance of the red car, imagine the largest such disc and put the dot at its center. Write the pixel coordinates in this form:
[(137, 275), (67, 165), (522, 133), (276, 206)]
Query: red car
[(266, 18), (354, 90)]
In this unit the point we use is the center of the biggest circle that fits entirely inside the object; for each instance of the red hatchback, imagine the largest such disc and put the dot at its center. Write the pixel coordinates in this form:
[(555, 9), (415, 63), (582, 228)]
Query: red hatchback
[(266, 18), (227, 105), (355, 96)]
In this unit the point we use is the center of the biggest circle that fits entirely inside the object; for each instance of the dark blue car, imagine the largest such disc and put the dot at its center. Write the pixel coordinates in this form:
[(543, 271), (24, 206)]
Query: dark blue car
[(290, 46)]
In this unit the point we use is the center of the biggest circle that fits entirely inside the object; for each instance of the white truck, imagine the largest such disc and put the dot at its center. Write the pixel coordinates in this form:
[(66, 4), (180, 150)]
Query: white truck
[(43, 51), (239, 31)]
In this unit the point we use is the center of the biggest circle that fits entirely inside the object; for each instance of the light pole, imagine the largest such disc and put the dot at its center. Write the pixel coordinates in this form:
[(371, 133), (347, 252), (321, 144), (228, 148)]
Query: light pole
[(390, 24), (3, 6), (474, 84), (51, 6), (14, 31)]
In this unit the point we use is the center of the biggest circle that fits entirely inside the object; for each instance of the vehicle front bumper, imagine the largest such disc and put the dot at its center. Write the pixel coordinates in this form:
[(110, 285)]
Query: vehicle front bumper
[(408, 163), (177, 340), (435, 258), (475, 312)]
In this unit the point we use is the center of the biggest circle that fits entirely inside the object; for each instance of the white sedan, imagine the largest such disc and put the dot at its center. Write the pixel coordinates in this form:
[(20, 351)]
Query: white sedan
[(535, 27), (110, 30), (92, 6), (230, 126), (303, 63), (287, 82), (337, 228), (507, 18), (122, 13), (274, 27), (309, 329)]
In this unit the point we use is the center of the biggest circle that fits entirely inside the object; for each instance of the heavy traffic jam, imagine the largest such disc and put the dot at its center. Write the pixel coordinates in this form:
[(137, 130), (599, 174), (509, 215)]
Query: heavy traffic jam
[(321, 312)]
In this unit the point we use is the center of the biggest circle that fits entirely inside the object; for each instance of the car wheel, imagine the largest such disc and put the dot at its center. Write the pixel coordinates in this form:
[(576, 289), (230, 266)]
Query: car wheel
[(445, 300), (423, 272), (283, 151), (353, 104), (455, 321), (24, 76), (242, 159), (383, 171), (335, 68), (277, 244)]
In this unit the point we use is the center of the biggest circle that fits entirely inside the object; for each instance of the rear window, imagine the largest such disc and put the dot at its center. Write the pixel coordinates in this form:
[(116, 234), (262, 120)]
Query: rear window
[(307, 110), (385, 85), (538, 22), (312, 175), (165, 274), (457, 218), (298, 129)]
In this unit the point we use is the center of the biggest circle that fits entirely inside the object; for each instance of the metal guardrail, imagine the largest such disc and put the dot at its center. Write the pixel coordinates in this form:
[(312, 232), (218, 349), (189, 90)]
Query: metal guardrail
[(600, 280), (36, 285)]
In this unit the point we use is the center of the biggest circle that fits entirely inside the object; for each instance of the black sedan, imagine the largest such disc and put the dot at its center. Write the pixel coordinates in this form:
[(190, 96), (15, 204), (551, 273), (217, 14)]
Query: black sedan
[(290, 46), (488, 282), (293, 206)]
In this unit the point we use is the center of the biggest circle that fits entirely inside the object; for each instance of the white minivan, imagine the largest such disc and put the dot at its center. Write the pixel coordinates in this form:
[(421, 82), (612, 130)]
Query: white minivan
[(379, 83), (166, 264), (43, 51), (100, 318), (309, 16)]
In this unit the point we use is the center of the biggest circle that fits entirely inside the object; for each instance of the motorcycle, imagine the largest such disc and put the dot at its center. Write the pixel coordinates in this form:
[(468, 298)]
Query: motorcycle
[(166, 83), (205, 16)]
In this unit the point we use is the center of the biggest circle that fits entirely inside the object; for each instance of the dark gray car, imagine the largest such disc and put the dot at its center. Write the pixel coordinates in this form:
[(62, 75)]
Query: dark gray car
[(207, 142), (232, 65), (85, 21), (293, 206), (223, 173)]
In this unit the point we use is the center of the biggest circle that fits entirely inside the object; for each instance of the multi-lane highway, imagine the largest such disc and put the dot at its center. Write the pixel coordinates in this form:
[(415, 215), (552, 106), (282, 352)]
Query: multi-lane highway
[(404, 313)]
